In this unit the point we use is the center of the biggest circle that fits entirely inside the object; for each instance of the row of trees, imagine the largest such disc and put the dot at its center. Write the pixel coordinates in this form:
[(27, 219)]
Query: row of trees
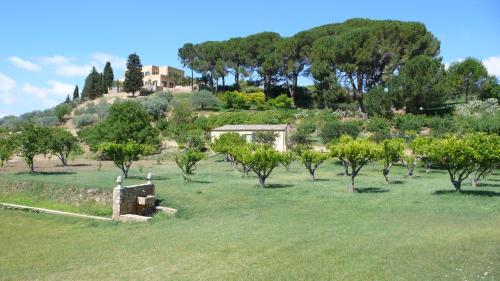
[(474, 154), (29, 140), (357, 55)]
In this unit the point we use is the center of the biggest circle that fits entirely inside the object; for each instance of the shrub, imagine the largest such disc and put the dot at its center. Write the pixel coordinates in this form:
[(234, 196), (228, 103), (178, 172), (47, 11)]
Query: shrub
[(84, 120), (145, 92), (378, 102), (257, 99), (204, 100), (266, 138), (234, 100), (409, 122), (281, 101), (155, 107), (334, 128), (187, 160), (61, 110), (477, 108), (181, 113), (100, 109), (46, 121), (379, 127), (10, 122), (441, 126)]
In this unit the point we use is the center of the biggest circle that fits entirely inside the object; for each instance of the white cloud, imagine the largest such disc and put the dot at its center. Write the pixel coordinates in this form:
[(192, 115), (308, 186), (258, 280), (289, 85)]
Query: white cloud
[(493, 65), (24, 64), (56, 60), (51, 95), (100, 59), (7, 86)]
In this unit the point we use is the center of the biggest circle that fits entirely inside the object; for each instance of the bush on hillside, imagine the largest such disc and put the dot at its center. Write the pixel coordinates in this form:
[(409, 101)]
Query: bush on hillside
[(378, 102), (46, 121), (409, 122), (83, 120), (203, 100), (282, 101), (334, 128)]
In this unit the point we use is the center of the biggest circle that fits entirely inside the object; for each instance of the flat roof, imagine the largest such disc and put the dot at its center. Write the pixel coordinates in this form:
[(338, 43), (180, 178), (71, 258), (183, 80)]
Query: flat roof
[(264, 127)]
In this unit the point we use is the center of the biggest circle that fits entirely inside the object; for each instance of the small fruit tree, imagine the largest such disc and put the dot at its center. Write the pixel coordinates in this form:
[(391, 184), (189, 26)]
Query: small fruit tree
[(392, 151), (30, 141), (357, 153), (123, 155), (263, 160), (62, 143), (186, 161), (487, 154), (225, 144), (312, 160)]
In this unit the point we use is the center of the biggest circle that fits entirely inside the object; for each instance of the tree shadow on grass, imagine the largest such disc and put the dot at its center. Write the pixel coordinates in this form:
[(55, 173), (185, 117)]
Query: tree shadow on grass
[(468, 192), (371, 190), (488, 184), (321, 180), (278, 185), (199, 181), (75, 165), (155, 178), (46, 173), (396, 182)]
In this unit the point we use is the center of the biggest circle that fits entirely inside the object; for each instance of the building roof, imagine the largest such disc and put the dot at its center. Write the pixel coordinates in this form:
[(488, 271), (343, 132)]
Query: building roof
[(280, 127)]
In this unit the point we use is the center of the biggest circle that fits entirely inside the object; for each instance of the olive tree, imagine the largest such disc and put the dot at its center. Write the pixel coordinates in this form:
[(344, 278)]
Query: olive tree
[(312, 160), (357, 153), (391, 153), (123, 155), (187, 160)]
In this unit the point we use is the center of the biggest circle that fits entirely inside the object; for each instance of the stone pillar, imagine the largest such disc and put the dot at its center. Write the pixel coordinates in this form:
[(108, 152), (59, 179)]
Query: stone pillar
[(118, 198)]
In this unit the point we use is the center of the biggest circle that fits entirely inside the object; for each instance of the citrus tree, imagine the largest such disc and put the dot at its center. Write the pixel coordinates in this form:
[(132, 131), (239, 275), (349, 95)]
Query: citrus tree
[(487, 154), (312, 160), (391, 153), (287, 159), (243, 155), (31, 140), (357, 153), (186, 161), (420, 147), (123, 155), (263, 160), (225, 143), (456, 155), (7, 147)]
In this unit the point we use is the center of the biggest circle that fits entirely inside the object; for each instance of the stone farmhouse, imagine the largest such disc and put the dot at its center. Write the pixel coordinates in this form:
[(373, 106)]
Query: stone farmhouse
[(248, 133)]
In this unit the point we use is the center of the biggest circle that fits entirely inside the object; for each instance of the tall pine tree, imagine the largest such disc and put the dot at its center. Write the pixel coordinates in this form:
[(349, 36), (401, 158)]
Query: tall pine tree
[(107, 77), (133, 75), (76, 93)]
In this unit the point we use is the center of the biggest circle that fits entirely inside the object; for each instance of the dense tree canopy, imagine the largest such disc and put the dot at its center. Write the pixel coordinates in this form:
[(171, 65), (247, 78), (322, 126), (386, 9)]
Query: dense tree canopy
[(133, 75)]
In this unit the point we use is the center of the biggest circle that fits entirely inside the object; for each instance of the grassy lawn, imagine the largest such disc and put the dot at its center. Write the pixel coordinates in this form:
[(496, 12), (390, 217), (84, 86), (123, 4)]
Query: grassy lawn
[(228, 229)]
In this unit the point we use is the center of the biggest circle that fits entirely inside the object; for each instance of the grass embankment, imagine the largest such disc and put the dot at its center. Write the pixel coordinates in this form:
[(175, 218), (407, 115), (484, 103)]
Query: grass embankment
[(297, 229)]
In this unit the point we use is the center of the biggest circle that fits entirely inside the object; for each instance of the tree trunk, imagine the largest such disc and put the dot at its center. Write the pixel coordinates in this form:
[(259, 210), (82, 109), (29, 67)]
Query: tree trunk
[(361, 105), (237, 79), (346, 168), (457, 185), (223, 82), (474, 181), (386, 172), (351, 184), (192, 80), (262, 181), (32, 167)]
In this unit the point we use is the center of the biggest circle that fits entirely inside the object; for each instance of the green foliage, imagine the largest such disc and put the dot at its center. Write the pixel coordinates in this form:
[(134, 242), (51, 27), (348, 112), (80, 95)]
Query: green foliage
[(187, 160), (312, 160), (31, 140), (46, 121), (263, 160), (477, 108), (203, 100), (466, 77), (456, 155), (391, 153), (133, 75), (76, 93), (7, 146), (332, 129), (421, 84), (107, 76), (379, 127), (409, 122), (83, 120), (127, 122), (238, 100), (260, 117), (287, 159), (441, 126), (266, 138), (486, 154), (379, 103), (62, 143), (100, 110), (282, 101), (124, 154), (357, 153), (61, 110), (226, 142), (93, 86), (156, 105)]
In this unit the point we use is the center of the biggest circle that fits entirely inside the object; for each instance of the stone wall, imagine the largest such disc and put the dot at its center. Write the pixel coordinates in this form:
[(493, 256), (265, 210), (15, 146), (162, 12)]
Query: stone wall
[(137, 199)]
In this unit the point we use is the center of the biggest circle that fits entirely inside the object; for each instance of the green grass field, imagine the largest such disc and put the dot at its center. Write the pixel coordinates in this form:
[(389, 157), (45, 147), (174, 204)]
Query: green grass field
[(229, 229)]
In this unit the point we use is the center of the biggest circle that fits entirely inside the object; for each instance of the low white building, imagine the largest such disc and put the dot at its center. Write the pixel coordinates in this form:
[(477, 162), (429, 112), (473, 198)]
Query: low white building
[(248, 133)]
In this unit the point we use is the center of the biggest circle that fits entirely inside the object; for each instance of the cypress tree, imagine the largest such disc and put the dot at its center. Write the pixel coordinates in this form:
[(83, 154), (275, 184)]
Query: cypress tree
[(76, 93), (93, 87), (67, 100), (107, 77), (133, 75)]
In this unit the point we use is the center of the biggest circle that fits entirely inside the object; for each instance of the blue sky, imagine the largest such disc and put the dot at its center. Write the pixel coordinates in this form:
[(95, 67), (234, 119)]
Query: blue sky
[(49, 46)]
